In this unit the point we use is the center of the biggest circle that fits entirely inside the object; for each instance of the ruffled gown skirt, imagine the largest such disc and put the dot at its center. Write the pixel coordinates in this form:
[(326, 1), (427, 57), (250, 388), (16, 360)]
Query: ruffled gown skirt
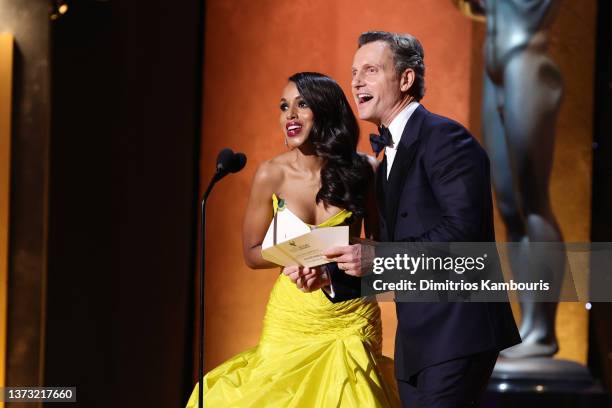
[(312, 353)]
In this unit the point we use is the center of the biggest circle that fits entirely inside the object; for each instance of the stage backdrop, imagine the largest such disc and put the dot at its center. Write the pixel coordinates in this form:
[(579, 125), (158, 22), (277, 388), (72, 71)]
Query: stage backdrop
[(250, 50), (6, 88)]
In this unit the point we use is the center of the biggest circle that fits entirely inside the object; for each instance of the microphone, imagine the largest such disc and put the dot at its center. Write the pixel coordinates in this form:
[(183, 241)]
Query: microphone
[(227, 162), (224, 159), (238, 163)]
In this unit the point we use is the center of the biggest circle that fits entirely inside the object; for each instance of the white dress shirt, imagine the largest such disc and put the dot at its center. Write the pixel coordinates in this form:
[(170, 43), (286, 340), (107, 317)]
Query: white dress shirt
[(396, 127)]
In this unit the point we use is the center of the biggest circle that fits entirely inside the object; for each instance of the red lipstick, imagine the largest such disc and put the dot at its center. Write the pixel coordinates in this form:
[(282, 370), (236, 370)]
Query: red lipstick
[(293, 128)]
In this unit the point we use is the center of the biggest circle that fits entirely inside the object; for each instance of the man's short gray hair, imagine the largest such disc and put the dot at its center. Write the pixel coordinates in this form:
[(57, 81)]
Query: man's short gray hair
[(407, 53)]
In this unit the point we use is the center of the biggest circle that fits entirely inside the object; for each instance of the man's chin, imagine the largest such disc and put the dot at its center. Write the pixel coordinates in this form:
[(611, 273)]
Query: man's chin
[(367, 116)]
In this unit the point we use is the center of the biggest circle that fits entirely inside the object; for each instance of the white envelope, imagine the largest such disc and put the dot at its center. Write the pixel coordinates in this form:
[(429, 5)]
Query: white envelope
[(297, 243)]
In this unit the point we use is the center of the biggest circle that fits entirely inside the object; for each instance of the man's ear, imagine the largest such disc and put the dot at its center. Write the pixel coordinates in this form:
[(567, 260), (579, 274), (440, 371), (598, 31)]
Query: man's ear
[(406, 79)]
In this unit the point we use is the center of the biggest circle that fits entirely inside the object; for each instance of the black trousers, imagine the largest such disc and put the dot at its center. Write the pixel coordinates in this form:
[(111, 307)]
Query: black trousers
[(452, 384)]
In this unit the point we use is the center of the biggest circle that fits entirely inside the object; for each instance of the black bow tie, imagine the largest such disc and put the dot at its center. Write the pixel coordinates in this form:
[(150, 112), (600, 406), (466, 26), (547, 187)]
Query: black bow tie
[(379, 142)]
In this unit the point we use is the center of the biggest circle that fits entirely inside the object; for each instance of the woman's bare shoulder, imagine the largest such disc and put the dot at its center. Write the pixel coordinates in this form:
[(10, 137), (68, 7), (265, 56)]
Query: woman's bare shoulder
[(271, 172)]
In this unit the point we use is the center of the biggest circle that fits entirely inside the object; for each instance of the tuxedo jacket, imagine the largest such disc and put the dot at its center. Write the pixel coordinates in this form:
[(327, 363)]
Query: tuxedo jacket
[(438, 190)]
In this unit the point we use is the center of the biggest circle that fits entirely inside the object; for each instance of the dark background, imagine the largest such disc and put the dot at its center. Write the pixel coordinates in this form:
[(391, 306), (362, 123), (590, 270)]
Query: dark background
[(125, 120), (600, 327)]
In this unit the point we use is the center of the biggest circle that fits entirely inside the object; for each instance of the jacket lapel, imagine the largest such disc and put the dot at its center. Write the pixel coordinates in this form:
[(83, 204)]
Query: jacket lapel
[(406, 151), (381, 186)]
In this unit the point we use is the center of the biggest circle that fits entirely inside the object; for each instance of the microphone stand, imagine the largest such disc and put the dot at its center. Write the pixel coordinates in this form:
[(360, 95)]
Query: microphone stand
[(227, 162), (213, 181)]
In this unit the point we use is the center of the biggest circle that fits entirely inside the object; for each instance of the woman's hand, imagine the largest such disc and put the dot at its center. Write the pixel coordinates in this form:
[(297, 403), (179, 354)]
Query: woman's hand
[(307, 279)]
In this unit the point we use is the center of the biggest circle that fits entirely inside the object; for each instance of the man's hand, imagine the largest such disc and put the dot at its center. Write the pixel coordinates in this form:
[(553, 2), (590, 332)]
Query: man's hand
[(307, 279), (349, 258)]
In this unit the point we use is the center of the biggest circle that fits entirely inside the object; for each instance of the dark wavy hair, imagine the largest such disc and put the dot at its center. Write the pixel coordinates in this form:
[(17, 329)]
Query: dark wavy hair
[(345, 175)]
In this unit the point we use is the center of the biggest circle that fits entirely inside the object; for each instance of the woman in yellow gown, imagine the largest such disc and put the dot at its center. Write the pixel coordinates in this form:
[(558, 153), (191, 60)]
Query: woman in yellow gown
[(312, 352)]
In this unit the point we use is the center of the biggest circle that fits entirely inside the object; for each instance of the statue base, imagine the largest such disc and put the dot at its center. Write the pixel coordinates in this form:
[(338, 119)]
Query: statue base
[(540, 374), (543, 381)]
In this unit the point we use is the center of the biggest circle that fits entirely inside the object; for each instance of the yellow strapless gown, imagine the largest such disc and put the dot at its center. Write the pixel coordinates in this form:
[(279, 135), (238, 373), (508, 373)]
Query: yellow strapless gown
[(312, 353)]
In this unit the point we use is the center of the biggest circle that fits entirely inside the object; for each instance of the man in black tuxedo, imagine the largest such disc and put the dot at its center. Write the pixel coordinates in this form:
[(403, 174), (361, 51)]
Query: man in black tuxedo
[(433, 185)]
